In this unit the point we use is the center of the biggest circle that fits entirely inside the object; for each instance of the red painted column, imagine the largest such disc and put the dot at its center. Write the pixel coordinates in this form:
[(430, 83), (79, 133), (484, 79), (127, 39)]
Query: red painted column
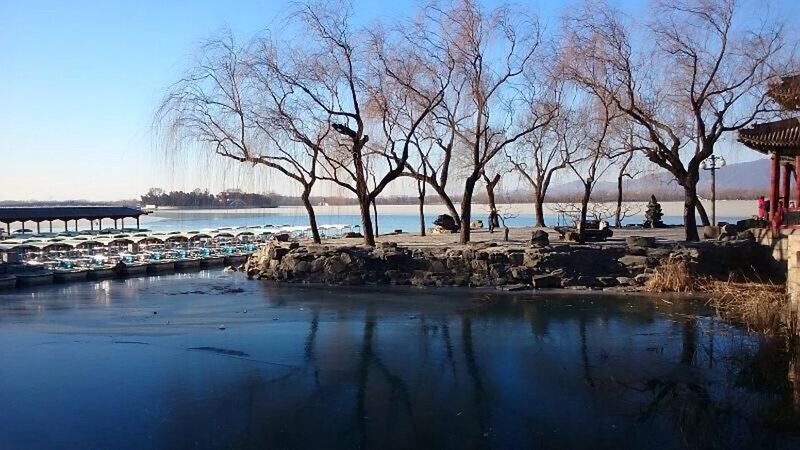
[(796, 181), (786, 190), (774, 182)]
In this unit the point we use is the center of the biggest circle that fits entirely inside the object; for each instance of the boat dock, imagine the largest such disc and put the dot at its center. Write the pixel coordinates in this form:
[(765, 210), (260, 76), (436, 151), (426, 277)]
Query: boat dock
[(36, 259)]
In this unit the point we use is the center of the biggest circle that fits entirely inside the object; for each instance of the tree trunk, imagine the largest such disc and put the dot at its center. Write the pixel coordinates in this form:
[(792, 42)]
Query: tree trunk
[(362, 190), (466, 208), (538, 205), (312, 216), (618, 212), (451, 208), (490, 195), (375, 212), (701, 210), (490, 185), (366, 221), (587, 194), (689, 207), (421, 189)]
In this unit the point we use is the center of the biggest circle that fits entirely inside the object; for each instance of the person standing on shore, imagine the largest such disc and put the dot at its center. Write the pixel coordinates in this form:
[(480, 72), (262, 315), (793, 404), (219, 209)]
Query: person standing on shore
[(760, 207), (493, 222)]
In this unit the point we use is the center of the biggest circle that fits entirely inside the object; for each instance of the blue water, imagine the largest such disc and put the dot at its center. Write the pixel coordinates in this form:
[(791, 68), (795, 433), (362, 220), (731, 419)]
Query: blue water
[(144, 363), (189, 220)]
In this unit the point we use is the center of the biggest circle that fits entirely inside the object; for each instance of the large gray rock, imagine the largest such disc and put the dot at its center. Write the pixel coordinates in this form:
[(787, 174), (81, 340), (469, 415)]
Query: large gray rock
[(658, 253), (642, 278), (539, 238), (640, 241), (546, 281), (634, 261), (281, 237), (398, 277), (446, 222), (624, 281), (516, 258), (456, 263), (437, 265), (422, 278), (711, 232), (607, 281), (498, 257), (497, 270), (520, 273), (727, 232), (334, 266), (587, 281), (514, 287), (480, 265), (277, 253), (576, 261), (302, 267)]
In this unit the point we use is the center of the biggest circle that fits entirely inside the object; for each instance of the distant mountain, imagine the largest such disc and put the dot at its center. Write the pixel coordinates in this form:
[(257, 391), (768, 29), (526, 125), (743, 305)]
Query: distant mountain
[(746, 175), (740, 180)]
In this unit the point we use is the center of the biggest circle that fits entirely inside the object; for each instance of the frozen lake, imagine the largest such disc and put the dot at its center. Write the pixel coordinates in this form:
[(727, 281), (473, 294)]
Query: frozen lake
[(405, 217), (144, 363)]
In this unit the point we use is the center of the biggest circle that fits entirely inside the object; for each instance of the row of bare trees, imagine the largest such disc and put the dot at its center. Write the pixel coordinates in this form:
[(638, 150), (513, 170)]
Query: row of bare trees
[(461, 95)]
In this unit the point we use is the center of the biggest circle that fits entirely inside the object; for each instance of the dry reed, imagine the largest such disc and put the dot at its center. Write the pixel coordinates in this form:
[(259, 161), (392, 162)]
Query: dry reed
[(762, 306), (673, 275)]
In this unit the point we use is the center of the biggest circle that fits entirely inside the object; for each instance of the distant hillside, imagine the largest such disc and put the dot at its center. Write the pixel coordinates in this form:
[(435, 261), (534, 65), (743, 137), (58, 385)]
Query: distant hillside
[(735, 181)]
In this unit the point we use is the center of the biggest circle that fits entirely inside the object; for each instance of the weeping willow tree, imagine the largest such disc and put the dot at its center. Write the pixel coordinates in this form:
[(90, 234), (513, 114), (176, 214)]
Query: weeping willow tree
[(340, 105), (700, 73), (499, 96), (230, 103), (378, 86)]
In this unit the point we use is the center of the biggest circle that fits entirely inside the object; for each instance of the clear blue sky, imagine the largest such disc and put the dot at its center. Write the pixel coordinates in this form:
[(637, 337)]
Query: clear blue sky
[(80, 81)]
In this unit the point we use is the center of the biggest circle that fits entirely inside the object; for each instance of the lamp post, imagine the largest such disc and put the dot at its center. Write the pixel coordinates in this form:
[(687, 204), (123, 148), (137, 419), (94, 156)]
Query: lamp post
[(713, 163)]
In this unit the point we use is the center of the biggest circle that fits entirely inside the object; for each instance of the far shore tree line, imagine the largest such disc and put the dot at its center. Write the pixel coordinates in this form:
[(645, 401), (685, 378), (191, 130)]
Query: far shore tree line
[(204, 199), (200, 198), (463, 98)]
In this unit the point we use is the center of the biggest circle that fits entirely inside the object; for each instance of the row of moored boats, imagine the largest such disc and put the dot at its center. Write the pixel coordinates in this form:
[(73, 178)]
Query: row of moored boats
[(67, 257)]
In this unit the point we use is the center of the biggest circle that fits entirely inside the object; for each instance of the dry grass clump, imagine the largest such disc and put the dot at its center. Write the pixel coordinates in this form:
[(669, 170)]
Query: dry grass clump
[(673, 275), (759, 305)]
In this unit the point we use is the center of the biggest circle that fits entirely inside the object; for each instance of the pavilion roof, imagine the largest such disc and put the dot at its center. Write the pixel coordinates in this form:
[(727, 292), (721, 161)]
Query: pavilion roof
[(787, 92), (781, 136), (44, 213)]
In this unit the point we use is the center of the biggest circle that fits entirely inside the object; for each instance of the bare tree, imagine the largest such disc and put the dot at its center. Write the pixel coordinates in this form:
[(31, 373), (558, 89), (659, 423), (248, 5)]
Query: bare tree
[(622, 173), (586, 141), (536, 158), (705, 75), (497, 51), (436, 141), (421, 191), (345, 82), (436, 147), (228, 104), (625, 157), (491, 183), (597, 210)]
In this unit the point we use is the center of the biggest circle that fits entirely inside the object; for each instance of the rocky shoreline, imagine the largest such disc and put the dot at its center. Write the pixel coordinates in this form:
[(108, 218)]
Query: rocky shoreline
[(622, 266)]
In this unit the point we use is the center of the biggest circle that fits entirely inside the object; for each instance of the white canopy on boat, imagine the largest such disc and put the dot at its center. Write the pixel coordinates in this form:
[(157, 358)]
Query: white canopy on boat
[(5, 246), (86, 243)]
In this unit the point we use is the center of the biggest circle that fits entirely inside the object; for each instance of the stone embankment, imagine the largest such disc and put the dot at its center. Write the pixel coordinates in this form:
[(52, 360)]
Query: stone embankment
[(623, 266)]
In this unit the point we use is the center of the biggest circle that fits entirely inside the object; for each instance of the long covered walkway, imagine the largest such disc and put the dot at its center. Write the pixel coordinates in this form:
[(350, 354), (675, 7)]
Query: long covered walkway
[(67, 214)]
